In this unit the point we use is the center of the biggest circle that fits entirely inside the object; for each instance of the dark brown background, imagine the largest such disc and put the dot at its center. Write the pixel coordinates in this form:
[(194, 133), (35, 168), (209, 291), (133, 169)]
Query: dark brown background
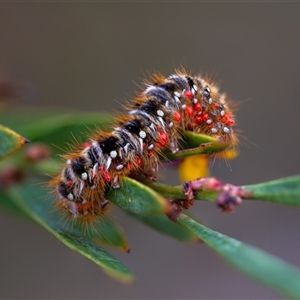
[(86, 56)]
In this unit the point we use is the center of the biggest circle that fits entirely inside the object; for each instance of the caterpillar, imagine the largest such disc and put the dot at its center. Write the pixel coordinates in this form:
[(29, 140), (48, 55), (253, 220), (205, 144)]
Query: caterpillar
[(154, 120)]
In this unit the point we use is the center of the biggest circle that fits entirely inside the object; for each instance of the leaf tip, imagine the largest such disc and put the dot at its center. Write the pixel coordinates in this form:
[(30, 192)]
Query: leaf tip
[(127, 278), (25, 141)]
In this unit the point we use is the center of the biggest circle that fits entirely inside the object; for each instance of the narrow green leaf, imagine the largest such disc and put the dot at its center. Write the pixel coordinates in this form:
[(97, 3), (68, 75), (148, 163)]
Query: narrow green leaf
[(176, 192), (261, 266), (195, 139), (10, 141), (28, 198), (202, 149), (49, 166), (138, 198), (164, 225), (284, 191), (58, 123), (109, 264), (57, 130), (51, 120), (106, 232), (60, 131), (103, 231)]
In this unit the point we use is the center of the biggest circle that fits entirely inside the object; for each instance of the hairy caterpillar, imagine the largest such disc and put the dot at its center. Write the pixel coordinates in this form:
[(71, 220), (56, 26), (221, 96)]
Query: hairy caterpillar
[(154, 121)]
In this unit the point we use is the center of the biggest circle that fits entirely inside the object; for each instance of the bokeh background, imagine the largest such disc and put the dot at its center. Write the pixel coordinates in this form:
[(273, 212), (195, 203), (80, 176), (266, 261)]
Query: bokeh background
[(90, 56)]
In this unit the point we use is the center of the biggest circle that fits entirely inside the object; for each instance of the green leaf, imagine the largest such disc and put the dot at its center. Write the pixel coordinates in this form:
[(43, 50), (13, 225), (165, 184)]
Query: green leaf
[(201, 148), (138, 198), (57, 130), (102, 231), (106, 232), (10, 141), (51, 119), (284, 191), (261, 266), (193, 139), (164, 225), (109, 264), (59, 123), (29, 198), (176, 192), (60, 131)]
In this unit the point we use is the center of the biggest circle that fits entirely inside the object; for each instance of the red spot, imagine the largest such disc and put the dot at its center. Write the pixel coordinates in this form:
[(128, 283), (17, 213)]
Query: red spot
[(150, 153), (205, 117), (130, 166), (106, 176), (215, 105), (79, 207), (188, 94), (163, 139), (189, 111), (69, 182), (158, 128), (86, 144), (176, 116), (197, 107), (227, 119), (198, 119), (138, 160)]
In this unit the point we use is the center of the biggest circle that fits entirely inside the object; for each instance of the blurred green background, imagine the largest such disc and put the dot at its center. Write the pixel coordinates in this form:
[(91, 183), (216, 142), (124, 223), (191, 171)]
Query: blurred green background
[(92, 56)]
